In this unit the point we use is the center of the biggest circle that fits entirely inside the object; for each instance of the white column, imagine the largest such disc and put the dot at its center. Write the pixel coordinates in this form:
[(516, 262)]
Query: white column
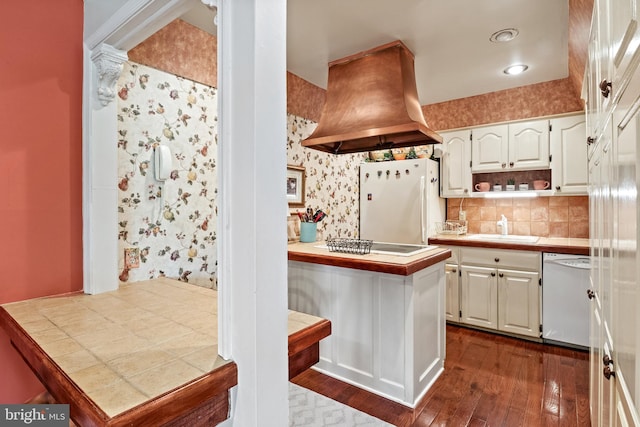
[(252, 229), (102, 67)]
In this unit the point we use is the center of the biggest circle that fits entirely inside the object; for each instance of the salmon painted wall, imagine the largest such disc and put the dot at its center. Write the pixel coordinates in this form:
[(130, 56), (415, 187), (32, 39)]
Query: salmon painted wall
[(40, 164)]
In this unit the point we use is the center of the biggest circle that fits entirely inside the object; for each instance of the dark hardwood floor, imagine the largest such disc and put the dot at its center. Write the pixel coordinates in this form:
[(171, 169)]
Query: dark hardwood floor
[(489, 380)]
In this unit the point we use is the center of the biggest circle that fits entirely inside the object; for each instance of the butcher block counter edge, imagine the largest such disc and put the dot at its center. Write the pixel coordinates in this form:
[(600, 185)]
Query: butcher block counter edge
[(390, 264), (568, 246)]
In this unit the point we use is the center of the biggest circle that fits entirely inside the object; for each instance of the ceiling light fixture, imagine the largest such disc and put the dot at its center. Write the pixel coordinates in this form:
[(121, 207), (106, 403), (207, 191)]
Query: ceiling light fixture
[(505, 35), (512, 70)]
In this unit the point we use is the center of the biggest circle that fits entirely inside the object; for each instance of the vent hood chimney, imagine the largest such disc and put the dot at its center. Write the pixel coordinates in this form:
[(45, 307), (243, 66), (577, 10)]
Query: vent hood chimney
[(372, 104)]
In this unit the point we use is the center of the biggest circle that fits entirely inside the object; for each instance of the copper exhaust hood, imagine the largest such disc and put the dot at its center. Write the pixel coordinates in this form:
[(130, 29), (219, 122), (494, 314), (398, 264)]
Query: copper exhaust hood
[(372, 104)]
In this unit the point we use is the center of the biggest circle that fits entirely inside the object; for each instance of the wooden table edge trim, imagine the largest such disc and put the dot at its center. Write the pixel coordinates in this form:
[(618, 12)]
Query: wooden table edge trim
[(308, 336), (173, 404)]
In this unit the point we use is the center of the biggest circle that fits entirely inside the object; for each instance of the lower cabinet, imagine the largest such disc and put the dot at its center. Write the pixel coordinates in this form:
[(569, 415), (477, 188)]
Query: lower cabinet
[(624, 414), (479, 296), (452, 293), (500, 290), (519, 302), (452, 286)]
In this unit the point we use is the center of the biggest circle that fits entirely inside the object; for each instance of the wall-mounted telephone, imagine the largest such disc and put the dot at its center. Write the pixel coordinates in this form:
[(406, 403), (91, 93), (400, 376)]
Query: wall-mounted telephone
[(162, 157)]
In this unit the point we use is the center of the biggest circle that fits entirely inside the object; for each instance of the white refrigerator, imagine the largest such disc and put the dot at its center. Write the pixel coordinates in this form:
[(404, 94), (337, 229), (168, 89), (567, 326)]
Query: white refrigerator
[(400, 201)]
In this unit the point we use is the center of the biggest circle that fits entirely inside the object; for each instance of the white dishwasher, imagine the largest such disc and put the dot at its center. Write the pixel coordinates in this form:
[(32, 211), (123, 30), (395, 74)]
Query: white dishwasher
[(565, 306)]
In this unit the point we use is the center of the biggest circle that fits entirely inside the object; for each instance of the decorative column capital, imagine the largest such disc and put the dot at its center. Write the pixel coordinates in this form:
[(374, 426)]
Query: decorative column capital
[(108, 61), (212, 4)]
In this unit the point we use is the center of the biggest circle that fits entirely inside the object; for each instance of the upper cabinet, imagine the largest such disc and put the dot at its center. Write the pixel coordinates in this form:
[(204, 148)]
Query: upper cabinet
[(513, 146), (490, 151), (555, 145), (455, 167), (613, 44), (569, 172)]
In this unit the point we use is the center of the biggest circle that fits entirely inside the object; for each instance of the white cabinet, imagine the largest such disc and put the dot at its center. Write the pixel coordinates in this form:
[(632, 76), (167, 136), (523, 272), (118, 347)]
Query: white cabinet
[(490, 148), (613, 97), (569, 155), (623, 414), (452, 286), (479, 296), (558, 143), (500, 289), (452, 294), (519, 302), (601, 343), (455, 171), (613, 42), (529, 145), (513, 146)]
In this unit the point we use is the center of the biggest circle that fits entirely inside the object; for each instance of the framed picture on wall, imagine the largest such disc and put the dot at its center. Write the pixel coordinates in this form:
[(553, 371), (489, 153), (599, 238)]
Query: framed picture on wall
[(295, 186)]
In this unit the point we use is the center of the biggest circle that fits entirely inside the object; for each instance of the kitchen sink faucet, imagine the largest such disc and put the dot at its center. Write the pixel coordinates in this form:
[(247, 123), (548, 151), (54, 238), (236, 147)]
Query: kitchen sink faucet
[(504, 225)]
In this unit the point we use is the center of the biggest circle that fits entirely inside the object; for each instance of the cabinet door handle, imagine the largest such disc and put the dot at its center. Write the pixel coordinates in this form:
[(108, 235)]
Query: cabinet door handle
[(606, 360), (590, 140), (504, 165), (493, 274), (605, 88), (590, 294), (608, 373), (510, 164), (501, 274), (496, 259), (557, 188), (454, 270)]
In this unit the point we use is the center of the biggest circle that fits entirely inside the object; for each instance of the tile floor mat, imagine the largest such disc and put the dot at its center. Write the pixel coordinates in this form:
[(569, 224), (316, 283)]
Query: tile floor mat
[(310, 409)]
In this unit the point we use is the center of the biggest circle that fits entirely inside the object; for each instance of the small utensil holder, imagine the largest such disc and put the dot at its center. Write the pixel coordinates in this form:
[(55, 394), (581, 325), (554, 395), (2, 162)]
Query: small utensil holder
[(308, 231)]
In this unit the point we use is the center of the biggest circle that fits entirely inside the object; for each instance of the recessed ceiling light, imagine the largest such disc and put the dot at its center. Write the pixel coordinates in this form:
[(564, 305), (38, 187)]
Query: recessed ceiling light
[(505, 35), (515, 69)]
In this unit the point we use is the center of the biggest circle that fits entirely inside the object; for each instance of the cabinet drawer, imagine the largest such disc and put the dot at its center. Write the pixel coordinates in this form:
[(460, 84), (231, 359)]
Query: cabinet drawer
[(498, 258)]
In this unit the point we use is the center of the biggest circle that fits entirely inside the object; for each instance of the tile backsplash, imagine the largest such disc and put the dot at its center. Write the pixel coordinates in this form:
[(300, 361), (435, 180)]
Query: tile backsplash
[(557, 216)]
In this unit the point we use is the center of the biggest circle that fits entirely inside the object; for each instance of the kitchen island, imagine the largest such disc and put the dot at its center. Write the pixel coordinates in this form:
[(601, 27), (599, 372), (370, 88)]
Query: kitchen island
[(386, 312)]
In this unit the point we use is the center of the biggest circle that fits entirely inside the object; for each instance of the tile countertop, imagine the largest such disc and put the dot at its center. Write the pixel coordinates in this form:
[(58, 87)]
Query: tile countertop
[(119, 355), (391, 264), (544, 244), (124, 356)]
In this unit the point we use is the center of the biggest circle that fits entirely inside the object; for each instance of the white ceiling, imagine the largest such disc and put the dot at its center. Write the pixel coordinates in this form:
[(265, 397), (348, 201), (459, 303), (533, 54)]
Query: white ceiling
[(450, 39)]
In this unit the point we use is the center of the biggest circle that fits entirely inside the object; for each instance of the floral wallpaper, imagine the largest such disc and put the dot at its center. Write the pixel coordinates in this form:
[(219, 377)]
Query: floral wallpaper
[(332, 181), (172, 223)]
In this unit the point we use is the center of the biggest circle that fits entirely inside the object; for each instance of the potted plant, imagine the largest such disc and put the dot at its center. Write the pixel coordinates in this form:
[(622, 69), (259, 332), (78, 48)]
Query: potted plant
[(511, 184)]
